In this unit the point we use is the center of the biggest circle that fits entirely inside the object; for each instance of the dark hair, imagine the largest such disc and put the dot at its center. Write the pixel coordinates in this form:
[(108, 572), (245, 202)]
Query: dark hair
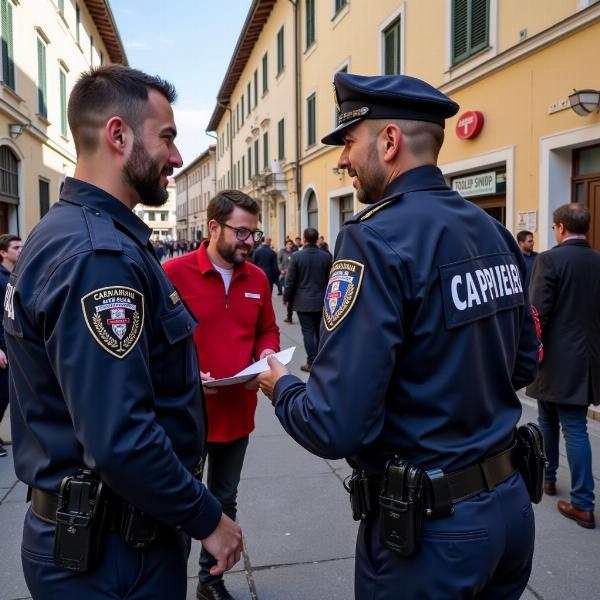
[(109, 91), (575, 217), (523, 235), (222, 205), (311, 235), (6, 239)]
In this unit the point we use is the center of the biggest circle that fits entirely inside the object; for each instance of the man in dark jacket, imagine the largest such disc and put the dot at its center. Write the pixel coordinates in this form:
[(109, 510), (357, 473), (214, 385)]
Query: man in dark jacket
[(565, 288), (266, 258), (305, 286)]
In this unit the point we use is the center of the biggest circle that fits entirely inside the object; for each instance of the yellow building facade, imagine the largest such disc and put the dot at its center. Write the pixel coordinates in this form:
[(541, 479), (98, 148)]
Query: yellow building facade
[(46, 44), (516, 147)]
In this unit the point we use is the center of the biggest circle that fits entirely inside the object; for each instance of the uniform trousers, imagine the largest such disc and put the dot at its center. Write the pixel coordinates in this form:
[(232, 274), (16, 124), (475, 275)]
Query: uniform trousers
[(155, 573), (225, 462), (483, 551), (573, 420)]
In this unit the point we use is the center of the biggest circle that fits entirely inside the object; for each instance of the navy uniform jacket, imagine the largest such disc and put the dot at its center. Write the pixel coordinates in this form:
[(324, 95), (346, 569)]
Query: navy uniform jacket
[(4, 277), (104, 371), (427, 333)]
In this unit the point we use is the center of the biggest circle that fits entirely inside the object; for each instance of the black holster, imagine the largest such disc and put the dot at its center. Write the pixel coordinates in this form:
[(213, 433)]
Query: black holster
[(532, 459), (360, 501), (401, 507), (81, 521)]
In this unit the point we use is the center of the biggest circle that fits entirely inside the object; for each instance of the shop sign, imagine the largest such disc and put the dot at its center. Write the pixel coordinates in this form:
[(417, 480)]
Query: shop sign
[(527, 220), (469, 125), (479, 184)]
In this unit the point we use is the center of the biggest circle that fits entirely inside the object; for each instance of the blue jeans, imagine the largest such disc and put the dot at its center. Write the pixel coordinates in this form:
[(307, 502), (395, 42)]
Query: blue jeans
[(225, 462), (573, 420), (310, 324)]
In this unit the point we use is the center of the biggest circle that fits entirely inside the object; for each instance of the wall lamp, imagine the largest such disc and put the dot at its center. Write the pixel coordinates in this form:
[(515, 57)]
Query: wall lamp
[(337, 171), (15, 130), (584, 102)]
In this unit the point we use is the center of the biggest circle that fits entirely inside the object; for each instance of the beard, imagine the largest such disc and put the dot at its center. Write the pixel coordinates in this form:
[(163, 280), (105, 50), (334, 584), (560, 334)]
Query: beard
[(143, 174), (228, 252), (372, 178)]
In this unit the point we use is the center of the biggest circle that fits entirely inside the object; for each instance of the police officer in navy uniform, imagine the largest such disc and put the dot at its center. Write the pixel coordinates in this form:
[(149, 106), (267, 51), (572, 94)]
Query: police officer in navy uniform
[(432, 287), (105, 385)]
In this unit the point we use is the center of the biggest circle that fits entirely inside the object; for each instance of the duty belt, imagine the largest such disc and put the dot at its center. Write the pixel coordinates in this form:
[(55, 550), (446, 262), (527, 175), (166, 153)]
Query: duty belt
[(446, 489)]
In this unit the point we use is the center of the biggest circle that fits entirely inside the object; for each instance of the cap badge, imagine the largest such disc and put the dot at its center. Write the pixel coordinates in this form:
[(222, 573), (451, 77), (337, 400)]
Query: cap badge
[(354, 114)]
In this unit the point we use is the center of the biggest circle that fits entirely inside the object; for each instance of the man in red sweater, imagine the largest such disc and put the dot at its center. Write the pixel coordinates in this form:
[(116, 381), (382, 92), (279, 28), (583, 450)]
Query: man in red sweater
[(231, 300)]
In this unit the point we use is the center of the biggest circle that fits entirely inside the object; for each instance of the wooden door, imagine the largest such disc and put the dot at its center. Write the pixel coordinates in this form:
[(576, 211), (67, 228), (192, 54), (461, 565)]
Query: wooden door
[(593, 204)]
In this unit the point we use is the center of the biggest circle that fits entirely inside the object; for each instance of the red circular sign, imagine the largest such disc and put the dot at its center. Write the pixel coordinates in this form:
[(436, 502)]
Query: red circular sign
[(469, 124)]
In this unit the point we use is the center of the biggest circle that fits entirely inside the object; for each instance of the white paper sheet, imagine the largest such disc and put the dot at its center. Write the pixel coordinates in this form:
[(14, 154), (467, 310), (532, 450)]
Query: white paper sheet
[(284, 357)]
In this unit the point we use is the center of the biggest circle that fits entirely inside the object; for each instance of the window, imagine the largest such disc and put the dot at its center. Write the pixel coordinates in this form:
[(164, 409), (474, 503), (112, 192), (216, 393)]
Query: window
[(250, 163), (61, 7), (42, 90), (265, 74), (255, 158), (346, 208), (280, 51), (243, 171), (101, 58), (8, 65), (242, 111), (312, 209), (9, 174), (339, 4), (77, 23), (311, 134), (91, 51), (310, 23), (281, 140), (391, 49), (248, 99), (44, 189), (470, 26), (255, 88), (63, 101), (266, 150), (237, 116)]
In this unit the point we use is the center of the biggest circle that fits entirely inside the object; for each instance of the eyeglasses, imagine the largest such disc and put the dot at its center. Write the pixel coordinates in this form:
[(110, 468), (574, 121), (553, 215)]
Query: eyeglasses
[(242, 234)]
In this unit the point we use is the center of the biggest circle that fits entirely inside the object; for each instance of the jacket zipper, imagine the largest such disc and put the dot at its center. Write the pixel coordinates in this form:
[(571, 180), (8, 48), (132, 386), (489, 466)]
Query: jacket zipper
[(226, 300)]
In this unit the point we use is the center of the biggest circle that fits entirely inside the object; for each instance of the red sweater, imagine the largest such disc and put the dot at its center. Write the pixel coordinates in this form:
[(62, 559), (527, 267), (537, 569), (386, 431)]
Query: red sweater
[(232, 331)]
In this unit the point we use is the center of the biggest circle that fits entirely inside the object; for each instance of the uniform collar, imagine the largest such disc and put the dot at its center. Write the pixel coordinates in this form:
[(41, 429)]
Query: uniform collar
[(206, 265), (86, 194), (427, 177), (4, 270)]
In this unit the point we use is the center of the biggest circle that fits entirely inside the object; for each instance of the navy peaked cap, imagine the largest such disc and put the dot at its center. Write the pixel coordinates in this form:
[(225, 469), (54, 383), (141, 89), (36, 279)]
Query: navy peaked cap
[(359, 97)]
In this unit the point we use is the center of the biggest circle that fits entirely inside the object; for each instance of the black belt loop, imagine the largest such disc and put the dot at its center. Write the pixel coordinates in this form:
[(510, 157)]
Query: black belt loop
[(487, 476)]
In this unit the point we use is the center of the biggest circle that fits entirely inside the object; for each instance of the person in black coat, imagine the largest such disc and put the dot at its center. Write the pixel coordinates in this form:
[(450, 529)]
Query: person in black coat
[(266, 258), (565, 288), (305, 285)]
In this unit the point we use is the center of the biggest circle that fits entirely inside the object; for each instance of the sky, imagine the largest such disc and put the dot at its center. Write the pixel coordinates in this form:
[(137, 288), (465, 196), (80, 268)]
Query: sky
[(189, 43)]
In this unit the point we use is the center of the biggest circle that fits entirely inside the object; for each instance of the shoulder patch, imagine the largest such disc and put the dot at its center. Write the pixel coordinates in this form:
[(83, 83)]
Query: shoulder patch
[(115, 317), (345, 279)]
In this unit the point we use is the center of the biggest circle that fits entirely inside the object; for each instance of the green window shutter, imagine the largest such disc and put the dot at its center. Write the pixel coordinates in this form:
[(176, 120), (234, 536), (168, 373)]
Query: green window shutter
[(77, 23), (242, 111), (460, 30), (391, 45), (255, 157), (63, 102), (8, 65), (250, 163), (266, 150), (479, 20), (311, 137), (310, 22), (61, 6), (280, 51), (265, 73), (281, 139), (255, 88), (42, 108), (248, 96)]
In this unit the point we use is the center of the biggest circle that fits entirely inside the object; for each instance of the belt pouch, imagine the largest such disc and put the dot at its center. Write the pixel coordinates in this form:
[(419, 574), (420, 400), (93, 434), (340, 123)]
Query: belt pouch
[(401, 508), (139, 529), (358, 488), (80, 522), (532, 460)]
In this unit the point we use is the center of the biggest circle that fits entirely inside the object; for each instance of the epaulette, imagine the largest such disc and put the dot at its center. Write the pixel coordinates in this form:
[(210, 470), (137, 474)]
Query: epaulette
[(369, 213), (102, 230)]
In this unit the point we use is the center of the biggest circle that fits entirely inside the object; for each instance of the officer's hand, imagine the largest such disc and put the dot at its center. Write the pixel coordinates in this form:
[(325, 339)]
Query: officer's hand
[(225, 544), (207, 377), (3, 360), (268, 379)]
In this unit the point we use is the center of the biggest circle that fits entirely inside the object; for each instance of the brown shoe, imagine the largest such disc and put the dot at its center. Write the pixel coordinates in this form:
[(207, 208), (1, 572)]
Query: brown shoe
[(288, 321), (585, 518), (550, 488)]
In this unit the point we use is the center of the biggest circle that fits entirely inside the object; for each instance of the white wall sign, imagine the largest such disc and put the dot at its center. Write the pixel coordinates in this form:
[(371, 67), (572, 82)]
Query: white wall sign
[(480, 184), (527, 220)]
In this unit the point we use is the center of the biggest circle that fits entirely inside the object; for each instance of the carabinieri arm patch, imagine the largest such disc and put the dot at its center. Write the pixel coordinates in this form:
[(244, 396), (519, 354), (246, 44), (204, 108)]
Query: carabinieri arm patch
[(345, 279), (115, 318)]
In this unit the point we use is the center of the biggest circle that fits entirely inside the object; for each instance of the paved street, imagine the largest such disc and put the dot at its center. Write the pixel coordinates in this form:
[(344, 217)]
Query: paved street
[(299, 536)]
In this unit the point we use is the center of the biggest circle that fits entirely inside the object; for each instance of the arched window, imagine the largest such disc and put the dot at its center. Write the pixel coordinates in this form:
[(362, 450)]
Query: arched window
[(9, 178), (312, 209)]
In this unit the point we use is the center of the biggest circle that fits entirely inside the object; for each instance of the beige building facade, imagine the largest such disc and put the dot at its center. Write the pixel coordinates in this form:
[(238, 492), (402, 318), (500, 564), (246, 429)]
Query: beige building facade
[(516, 147), (195, 185), (161, 219), (46, 44)]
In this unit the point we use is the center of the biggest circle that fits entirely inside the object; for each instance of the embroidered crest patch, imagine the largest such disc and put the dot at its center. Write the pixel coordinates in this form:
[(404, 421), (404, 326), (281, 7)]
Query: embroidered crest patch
[(115, 318), (345, 279)]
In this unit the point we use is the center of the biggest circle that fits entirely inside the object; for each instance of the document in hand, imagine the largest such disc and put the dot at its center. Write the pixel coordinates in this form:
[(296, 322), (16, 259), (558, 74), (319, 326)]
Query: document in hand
[(284, 357)]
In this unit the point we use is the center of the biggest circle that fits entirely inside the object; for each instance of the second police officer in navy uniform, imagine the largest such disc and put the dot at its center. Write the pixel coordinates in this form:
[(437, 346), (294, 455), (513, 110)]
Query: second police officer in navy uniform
[(427, 333), (106, 402)]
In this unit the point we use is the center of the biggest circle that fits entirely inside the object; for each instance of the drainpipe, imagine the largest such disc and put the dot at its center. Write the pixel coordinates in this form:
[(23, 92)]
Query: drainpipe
[(298, 123)]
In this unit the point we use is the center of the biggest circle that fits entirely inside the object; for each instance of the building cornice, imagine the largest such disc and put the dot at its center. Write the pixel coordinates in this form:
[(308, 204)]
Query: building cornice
[(105, 23), (208, 153), (569, 26)]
